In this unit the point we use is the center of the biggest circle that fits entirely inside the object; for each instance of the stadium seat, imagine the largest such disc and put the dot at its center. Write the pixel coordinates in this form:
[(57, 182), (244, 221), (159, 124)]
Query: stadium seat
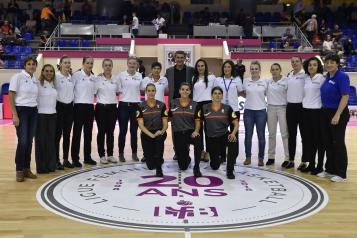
[(18, 64), (73, 43), (84, 43), (17, 50), (61, 43), (353, 96), (4, 90), (27, 36), (8, 49), (27, 50)]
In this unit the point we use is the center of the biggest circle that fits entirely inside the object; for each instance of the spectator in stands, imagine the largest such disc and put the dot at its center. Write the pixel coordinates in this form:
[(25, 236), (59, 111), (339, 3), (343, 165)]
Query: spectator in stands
[(337, 33), (159, 23), (248, 26), (1, 64), (12, 12), (327, 45), (347, 46), (286, 38), (5, 28), (342, 60), (311, 27), (30, 25), (29, 11), (135, 25), (323, 29), (47, 17), (67, 9), (239, 69), (86, 8), (125, 20)]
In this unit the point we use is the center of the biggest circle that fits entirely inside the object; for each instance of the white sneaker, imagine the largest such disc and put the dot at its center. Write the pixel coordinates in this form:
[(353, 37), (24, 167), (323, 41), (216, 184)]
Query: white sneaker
[(103, 160), (324, 174), (338, 179), (111, 159)]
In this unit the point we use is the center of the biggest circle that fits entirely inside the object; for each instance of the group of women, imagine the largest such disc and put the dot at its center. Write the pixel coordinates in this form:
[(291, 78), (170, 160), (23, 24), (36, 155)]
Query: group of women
[(206, 115)]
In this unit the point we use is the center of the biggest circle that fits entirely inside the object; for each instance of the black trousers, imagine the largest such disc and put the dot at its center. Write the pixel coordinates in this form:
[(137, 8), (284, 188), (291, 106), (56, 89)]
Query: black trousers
[(83, 118), (154, 150), (311, 121), (182, 141), (106, 118), (45, 143), (63, 128), (334, 140), (202, 134), (126, 113), (216, 146), (294, 120)]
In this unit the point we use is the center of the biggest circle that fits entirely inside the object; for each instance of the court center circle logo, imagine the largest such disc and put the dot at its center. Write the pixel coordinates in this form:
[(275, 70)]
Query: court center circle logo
[(130, 196)]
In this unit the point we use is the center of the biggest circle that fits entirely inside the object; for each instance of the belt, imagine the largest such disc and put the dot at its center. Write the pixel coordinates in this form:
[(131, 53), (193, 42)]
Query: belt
[(106, 105), (128, 103)]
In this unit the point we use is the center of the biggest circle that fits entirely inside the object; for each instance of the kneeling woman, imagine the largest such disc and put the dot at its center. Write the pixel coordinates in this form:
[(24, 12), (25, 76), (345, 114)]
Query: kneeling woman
[(152, 120), (217, 118), (185, 120)]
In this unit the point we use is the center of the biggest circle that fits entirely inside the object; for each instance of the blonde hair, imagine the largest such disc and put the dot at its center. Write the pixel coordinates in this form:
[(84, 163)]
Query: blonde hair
[(256, 62)]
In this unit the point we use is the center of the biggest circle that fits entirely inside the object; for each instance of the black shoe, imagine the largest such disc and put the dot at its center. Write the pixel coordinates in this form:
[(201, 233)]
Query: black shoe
[(308, 169), (68, 164), (77, 164), (270, 162), (44, 171), (143, 159), (90, 162), (159, 172), (302, 167), (231, 175), (197, 173), (316, 171), (175, 157), (290, 165), (285, 163), (59, 166)]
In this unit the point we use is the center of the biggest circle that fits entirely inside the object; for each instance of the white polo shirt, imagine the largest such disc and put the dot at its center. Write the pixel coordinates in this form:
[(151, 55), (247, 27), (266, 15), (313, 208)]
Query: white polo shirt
[(47, 98), (200, 91), (296, 84), (277, 91), (84, 87), (25, 88), (65, 88), (231, 87), (129, 86), (135, 23), (312, 96), (161, 85), (106, 90), (255, 93)]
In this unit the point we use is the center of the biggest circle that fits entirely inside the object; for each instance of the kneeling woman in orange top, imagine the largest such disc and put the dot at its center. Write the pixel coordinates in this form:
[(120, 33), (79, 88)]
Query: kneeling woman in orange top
[(152, 120)]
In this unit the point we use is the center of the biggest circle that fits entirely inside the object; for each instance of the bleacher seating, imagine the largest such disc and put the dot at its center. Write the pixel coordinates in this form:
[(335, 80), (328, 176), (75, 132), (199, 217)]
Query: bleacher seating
[(353, 96), (4, 90)]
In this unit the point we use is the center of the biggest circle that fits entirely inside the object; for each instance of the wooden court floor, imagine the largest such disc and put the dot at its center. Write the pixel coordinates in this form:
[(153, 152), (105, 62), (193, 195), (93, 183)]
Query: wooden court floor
[(21, 216)]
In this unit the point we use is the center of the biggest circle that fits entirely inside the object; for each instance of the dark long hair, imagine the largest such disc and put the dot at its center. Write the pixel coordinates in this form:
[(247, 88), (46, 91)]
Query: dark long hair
[(196, 74), (230, 62), (320, 68)]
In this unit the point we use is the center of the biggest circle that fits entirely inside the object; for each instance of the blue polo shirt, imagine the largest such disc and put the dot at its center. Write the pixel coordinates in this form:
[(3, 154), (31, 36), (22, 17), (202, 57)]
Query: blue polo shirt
[(333, 89)]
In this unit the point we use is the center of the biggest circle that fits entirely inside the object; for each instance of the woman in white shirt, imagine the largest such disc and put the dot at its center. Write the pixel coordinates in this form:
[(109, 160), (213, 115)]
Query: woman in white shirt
[(255, 112), (23, 102), (276, 96), (311, 115), (295, 93), (84, 86), (202, 83), (106, 89), (130, 82), (64, 86), (45, 139), (231, 86)]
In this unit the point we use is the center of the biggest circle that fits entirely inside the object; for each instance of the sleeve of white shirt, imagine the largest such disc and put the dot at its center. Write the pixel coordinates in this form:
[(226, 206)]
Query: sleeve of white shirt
[(119, 84), (144, 82), (239, 84), (14, 83), (166, 82), (244, 84)]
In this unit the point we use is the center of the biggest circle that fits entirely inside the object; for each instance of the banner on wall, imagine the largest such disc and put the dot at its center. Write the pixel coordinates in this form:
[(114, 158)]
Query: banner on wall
[(169, 56)]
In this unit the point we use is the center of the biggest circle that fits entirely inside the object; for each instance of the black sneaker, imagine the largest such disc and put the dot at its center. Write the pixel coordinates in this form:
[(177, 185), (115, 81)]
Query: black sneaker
[(77, 164), (316, 171), (143, 159), (302, 166), (285, 163), (159, 172), (270, 162), (290, 165), (231, 175), (308, 169), (68, 164), (90, 161), (59, 166), (197, 173), (121, 157)]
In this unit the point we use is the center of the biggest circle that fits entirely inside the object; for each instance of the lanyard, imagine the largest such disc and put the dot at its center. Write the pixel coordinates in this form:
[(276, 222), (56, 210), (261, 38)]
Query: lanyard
[(225, 85)]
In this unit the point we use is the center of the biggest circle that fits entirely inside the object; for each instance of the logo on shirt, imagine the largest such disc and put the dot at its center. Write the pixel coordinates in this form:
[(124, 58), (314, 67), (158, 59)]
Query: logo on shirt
[(207, 114), (137, 113), (174, 109), (331, 82)]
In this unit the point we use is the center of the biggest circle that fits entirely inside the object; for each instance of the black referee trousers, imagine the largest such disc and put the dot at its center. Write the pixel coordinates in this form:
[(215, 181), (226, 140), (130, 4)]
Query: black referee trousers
[(200, 105), (63, 128), (334, 140), (153, 149), (106, 118), (311, 125), (294, 120), (83, 118), (216, 147), (182, 141), (45, 139)]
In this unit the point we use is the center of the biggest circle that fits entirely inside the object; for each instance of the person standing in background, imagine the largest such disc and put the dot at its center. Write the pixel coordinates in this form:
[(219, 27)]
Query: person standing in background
[(239, 69), (135, 25)]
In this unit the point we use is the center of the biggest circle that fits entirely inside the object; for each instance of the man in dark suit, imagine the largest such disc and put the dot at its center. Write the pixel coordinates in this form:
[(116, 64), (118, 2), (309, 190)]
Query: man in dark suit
[(178, 74), (239, 68)]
